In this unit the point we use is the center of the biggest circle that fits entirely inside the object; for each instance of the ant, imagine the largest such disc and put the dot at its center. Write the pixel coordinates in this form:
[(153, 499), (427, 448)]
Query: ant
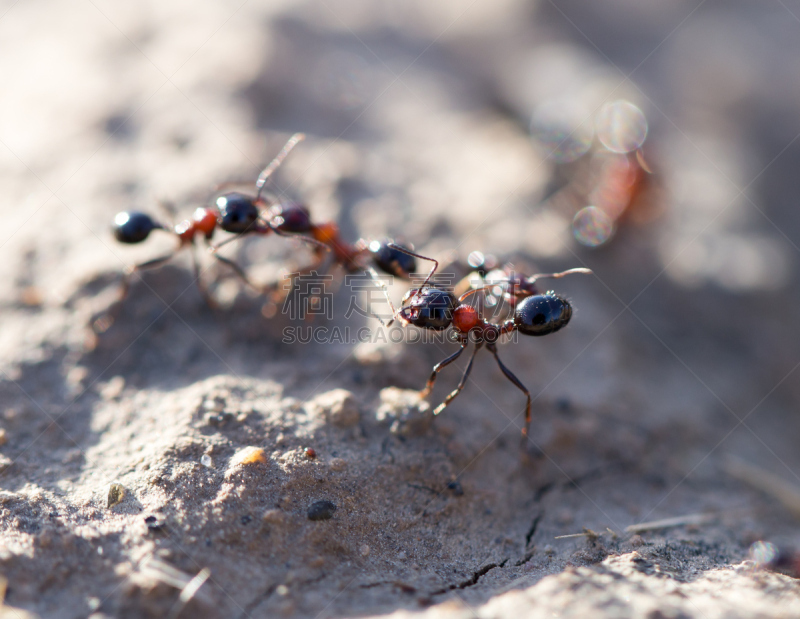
[(234, 212), (363, 255), (431, 308), (513, 286)]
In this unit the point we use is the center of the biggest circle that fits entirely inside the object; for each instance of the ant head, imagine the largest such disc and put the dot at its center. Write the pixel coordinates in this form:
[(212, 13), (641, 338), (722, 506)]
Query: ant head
[(391, 260), (133, 226), (238, 212), (290, 217), (429, 308), (542, 314)]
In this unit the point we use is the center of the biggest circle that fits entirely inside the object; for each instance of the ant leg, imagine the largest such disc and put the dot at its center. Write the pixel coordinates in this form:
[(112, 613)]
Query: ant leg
[(438, 367), (198, 280), (380, 284), (214, 250), (238, 270), (275, 163), (461, 384), (493, 349)]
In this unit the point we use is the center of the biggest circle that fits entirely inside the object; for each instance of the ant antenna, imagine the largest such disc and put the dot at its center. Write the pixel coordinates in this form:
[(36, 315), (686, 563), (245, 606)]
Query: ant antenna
[(474, 290), (411, 253), (275, 163), (533, 278)]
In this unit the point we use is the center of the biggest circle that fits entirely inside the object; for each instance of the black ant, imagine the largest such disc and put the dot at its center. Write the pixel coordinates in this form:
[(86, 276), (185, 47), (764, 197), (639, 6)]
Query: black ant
[(234, 212), (435, 309)]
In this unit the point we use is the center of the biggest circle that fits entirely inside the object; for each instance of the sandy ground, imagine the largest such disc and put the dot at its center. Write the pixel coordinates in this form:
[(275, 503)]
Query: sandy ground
[(160, 467)]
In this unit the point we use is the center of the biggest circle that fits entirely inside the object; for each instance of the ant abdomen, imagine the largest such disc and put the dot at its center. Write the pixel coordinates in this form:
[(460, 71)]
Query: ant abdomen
[(237, 213), (542, 314), (133, 226), (291, 217), (391, 260)]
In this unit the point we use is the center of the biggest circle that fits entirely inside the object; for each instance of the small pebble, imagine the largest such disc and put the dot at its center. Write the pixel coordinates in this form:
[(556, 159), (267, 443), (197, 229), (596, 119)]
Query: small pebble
[(364, 550), (154, 523), (311, 453), (456, 488), (339, 407), (115, 495), (321, 510), (282, 590), (3, 436), (637, 541), (249, 455), (246, 519), (205, 460)]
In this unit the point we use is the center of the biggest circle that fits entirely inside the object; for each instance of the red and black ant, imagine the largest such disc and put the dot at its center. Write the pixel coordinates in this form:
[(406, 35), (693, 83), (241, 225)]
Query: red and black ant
[(360, 256), (435, 309), (234, 212)]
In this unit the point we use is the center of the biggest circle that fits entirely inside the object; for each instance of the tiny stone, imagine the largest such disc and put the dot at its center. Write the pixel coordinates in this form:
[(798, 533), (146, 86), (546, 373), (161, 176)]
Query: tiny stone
[(455, 486), (321, 510), (205, 460), (637, 541), (153, 523), (549, 550), (311, 453), (364, 550), (248, 455), (282, 590), (338, 407), (115, 495), (246, 519), (3, 436)]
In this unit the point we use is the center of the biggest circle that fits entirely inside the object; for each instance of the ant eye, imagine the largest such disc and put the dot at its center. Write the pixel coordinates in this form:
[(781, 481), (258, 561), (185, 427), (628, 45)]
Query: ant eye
[(132, 226), (542, 314), (391, 260), (432, 309), (291, 217), (237, 213)]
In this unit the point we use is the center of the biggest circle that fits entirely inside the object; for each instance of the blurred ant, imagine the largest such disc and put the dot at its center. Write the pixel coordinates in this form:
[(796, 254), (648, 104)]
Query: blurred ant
[(435, 309), (361, 256), (505, 281), (234, 212)]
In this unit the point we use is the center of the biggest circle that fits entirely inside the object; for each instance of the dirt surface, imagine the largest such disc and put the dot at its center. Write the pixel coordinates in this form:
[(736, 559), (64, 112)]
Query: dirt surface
[(160, 468)]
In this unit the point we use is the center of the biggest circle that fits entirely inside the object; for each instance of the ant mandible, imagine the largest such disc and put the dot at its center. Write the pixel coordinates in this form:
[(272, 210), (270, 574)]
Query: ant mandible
[(233, 212), (435, 309)]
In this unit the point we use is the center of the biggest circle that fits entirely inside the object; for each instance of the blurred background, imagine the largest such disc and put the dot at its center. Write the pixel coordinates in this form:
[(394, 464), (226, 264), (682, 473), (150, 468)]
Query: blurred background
[(656, 143)]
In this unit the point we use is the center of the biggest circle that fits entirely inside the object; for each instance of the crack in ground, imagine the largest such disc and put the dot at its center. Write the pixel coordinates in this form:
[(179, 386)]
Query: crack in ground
[(532, 530), (473, 580)]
